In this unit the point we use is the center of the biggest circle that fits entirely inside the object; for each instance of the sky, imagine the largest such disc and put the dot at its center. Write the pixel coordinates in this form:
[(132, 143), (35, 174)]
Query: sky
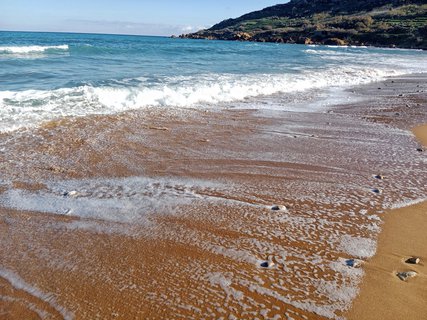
[(144, 17)]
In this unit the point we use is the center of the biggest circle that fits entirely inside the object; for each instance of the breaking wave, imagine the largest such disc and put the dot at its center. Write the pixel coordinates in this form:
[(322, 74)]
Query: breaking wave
[(32, 107), (32, 49)]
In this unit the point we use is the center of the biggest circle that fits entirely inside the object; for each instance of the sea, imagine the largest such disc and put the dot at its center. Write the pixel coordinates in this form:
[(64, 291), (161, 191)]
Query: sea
[(46, 76)]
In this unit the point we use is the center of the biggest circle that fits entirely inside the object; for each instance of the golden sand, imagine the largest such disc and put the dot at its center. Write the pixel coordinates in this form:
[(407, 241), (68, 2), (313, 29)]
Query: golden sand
[(421, 133), (383, 295)]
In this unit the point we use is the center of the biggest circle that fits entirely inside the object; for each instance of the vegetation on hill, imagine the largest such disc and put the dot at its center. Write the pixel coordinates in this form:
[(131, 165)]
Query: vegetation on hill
[(390, 23)]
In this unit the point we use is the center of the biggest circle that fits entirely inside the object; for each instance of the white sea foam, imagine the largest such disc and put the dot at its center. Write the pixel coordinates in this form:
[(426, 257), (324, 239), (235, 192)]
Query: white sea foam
[(126, 200), (17, 282), (32, 107), (31, 49), (358, 247), (407, 203)]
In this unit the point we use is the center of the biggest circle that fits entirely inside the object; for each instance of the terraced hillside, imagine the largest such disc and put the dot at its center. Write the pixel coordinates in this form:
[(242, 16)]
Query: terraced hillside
[(395, 23)]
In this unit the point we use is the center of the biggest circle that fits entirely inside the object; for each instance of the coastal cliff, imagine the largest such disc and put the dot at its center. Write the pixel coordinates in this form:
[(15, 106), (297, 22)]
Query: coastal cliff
[(392, 23)]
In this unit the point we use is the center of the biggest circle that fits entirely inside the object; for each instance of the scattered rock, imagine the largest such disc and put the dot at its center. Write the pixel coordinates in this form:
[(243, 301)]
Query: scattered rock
[(379, 177), (406, 275), (408, 106), (377, 191), (335, 42), (354, 263), (159, 128), (420, 149), (266, 264), (56, 169), (279, 208), (308, 41), (413, 260), (73, 193)]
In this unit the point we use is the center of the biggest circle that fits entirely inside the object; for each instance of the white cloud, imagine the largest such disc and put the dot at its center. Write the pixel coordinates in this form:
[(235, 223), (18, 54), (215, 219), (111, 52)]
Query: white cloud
[(125, 27)]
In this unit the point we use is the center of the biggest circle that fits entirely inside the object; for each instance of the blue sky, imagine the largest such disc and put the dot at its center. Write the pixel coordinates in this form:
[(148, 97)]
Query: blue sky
[(149, 17)]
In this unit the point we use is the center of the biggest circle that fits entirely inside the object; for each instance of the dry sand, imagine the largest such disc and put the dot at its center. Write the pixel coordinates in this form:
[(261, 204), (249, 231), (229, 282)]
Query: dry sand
[(172, 213), (421, 134), (383, 295)]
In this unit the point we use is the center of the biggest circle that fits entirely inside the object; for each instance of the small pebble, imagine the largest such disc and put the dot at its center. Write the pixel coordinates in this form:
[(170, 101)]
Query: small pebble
[(267, 264), (406, 275), (420, 150), (73, 193), (379, 177), (279, 208), (353, 263), (413, 260), (377, 191)]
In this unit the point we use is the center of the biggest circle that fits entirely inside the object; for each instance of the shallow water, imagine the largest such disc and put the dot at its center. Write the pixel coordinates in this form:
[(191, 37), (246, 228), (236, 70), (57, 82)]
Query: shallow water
[(46, 76)]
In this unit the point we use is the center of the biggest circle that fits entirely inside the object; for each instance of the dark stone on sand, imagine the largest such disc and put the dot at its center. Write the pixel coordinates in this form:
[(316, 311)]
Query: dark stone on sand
[(278, 208), (420, 150), (350, 262), (379, 177), (266, 264), (406, 275), (377, 191), (413, 260)]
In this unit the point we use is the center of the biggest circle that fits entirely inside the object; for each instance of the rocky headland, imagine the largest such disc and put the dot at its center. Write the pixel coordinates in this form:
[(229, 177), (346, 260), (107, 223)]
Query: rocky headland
[(381, 23)]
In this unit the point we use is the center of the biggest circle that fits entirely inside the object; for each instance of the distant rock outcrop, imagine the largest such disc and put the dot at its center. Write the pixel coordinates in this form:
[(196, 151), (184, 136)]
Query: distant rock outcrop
[(384, 23)]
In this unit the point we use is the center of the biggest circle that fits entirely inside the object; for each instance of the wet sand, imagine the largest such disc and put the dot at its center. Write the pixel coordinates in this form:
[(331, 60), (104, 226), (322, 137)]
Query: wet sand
[(383, 295), (166, 214)]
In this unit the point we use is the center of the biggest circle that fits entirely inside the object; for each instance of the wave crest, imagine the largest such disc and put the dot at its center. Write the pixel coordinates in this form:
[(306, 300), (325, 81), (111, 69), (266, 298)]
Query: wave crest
[(32, 107), (32, 49)]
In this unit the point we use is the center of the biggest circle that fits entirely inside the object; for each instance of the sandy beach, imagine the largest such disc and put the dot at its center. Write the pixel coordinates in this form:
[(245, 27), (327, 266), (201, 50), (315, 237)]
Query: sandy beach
[(383, 295), (159, 214)]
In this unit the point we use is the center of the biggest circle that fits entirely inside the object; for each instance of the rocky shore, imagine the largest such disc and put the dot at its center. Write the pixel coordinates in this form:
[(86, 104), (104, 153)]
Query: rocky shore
[(377, 23)]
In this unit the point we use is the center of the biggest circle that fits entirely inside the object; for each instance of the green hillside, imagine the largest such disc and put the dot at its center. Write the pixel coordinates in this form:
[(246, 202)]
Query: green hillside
[(393, 23)]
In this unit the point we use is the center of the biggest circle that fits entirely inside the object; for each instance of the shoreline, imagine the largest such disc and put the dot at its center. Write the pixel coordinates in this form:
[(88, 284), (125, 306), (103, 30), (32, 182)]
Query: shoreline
[(319, 44), (198, 189), (383, 295)]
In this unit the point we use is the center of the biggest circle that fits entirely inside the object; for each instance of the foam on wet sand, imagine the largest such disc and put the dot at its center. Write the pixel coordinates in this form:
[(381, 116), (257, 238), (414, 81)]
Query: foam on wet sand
[(118, 220)]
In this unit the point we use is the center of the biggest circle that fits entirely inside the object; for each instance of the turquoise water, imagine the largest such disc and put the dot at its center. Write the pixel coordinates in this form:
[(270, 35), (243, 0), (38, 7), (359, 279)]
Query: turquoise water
[(44, 76)]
